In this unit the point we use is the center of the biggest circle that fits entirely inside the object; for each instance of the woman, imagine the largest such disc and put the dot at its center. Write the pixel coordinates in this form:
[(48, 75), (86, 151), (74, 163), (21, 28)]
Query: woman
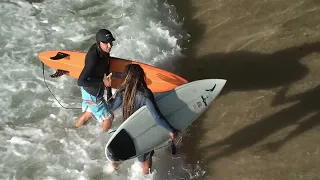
[(134, 94)]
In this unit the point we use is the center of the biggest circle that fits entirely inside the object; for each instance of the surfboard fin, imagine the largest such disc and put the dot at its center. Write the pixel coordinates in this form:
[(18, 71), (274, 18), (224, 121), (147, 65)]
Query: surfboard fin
[(59, 55), (58, 73)]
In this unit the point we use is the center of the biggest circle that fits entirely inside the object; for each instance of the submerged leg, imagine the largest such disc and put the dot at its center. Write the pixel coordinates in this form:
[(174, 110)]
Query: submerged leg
[(146, 162), (146, 166), (107, 123), (83, 119)]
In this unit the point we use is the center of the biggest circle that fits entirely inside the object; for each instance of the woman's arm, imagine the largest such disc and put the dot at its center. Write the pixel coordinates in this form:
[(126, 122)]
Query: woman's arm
[(159, 118), (117, 103)]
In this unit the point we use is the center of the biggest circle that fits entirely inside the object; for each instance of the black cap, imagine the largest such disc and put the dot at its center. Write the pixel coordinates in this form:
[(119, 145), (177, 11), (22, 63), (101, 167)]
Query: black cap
[(104, 36)]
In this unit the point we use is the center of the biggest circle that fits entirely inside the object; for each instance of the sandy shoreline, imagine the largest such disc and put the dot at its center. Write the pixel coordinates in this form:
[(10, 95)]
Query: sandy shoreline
[(265, 124)]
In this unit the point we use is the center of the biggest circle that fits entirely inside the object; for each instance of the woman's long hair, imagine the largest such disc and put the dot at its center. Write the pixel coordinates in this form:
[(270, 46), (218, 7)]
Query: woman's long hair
[(134, 80)]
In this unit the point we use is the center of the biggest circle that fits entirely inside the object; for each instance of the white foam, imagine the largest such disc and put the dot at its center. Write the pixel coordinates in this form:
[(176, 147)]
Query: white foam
[(17, 140), (50, 178), (35, 131), (135, 173), (109, 169)]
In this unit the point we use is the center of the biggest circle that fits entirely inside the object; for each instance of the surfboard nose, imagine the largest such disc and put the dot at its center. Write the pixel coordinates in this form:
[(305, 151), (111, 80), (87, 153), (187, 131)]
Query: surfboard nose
[(212, 86), (217, 87), (220, 82)]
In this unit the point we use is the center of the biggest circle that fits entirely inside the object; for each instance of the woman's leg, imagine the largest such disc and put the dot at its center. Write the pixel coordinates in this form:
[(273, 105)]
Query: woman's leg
[(146, 162), (146, 166)]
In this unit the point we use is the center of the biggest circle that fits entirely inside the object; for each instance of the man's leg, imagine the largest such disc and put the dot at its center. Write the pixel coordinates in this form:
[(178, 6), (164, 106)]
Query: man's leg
[(83, 119), (86, 115), (107, 123)]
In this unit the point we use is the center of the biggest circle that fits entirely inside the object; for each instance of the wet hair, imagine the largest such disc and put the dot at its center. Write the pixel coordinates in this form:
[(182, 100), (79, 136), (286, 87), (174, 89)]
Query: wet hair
[(134, 81)]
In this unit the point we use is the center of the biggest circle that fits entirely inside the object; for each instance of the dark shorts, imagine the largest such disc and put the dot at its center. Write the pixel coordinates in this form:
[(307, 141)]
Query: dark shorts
[(146, 157)]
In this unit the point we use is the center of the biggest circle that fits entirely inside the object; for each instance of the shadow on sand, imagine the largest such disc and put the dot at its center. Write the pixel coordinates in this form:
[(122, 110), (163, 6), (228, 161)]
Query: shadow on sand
[(246, 71)]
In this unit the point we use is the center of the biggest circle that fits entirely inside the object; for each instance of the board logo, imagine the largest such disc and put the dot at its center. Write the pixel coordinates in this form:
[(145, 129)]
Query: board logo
[(211, 88), (204, 100), (197, 105)]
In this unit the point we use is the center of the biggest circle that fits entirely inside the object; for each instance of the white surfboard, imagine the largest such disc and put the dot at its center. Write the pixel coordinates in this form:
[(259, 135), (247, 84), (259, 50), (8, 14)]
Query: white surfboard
[(140, 133)]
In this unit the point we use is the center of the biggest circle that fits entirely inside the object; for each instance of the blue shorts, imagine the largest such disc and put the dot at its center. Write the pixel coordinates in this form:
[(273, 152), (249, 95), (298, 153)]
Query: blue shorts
[(99, 111)]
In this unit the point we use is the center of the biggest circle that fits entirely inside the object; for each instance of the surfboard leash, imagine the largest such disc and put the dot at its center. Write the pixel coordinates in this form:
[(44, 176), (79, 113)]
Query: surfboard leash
[(172, 145), (44, 80)]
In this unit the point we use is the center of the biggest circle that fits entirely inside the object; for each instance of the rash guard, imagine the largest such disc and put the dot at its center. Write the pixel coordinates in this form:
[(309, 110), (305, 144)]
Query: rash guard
[(145, 97), (97, 63)]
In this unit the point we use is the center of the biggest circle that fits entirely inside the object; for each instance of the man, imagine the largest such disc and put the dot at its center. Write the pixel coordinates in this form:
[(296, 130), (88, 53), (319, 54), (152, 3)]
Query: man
[(94, 78)]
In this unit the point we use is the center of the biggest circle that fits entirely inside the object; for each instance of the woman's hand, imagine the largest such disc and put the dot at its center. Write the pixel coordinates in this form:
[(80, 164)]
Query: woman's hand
[(173, 135), (107, 80)]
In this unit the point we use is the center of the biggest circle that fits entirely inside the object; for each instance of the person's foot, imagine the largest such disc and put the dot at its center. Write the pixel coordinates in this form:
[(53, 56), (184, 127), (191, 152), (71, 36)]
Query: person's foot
[(173, 135), (146, 171), (111, 167), (146, 167), (115, 165)]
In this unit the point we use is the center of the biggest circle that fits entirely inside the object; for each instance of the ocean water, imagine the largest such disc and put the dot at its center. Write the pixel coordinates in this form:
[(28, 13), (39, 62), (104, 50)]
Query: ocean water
[(37, 140)]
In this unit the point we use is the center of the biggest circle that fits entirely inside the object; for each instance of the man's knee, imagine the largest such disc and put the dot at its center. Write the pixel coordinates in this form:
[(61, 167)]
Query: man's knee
[(106, 124), (87, 115), (111, 117)]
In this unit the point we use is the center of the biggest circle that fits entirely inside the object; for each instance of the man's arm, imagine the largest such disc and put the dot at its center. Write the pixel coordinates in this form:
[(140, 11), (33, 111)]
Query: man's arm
[(109, 91), (89, 66)]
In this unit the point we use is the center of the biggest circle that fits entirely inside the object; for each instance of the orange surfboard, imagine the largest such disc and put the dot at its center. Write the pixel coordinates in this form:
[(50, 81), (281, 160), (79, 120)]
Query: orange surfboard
[(72, 62)]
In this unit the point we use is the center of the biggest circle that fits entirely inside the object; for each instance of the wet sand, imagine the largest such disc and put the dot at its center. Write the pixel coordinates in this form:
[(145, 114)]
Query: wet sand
[(265, 125)]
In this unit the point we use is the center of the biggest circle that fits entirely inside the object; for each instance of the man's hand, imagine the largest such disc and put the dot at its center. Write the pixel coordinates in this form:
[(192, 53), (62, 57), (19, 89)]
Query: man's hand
[(107, 80)]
